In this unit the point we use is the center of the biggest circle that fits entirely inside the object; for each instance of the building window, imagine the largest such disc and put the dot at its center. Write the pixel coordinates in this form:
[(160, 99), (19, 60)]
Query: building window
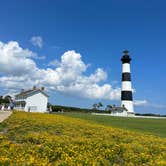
[(33, 108)]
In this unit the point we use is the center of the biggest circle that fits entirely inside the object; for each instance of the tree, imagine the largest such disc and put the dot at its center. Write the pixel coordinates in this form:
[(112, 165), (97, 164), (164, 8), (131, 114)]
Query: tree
[(7, 99), (1, 99), (49, 105), (109, 108), (97, 105)]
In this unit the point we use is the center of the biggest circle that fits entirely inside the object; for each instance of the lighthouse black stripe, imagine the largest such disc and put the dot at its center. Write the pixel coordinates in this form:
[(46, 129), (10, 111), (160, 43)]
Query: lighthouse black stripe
[(126, 77), (126, 95), (125, 60)]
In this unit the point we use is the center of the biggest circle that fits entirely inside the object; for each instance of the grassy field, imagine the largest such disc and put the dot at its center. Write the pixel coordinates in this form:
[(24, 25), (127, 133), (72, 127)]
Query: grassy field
[(152, 126), (45, 139)]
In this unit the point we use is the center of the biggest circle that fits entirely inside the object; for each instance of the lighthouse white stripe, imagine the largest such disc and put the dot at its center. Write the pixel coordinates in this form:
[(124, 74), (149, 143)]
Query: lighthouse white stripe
[(126, 86), (128, 105), (126, 68)]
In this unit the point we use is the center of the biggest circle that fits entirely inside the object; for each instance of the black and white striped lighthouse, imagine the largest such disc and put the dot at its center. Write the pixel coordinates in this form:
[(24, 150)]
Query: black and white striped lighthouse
[(126, 92)]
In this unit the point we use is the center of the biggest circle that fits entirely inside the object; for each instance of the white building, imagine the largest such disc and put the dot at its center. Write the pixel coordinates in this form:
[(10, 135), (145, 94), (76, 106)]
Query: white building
[(119, 111), (33, 100)]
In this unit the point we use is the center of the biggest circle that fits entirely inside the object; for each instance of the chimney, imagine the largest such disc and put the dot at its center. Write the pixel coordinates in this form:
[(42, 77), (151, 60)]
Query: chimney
[(42, 88), (34, 87)]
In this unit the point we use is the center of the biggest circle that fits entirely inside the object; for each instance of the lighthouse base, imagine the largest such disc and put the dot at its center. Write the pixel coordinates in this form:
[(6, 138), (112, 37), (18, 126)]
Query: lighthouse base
[(128, 105)]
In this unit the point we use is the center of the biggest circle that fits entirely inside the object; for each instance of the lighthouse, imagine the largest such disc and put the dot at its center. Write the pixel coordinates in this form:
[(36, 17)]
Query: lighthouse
[(126, 92)]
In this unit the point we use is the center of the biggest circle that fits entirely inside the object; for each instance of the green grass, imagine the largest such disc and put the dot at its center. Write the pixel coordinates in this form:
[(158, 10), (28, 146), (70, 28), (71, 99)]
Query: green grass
[(152, 126)]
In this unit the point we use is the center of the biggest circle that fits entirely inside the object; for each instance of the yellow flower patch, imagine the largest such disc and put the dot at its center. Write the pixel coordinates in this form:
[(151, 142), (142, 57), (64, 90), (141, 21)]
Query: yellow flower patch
[(43, 139)]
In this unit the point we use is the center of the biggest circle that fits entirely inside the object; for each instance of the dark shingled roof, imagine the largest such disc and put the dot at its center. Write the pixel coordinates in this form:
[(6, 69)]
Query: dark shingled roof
[(27, 92)]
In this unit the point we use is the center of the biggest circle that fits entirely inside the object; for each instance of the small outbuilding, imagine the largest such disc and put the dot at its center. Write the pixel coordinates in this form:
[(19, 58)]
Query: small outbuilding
[(33, 100), (119, 111)]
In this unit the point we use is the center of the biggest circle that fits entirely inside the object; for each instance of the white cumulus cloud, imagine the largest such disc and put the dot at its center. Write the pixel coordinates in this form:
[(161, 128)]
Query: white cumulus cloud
[(19, 70), (146, 103), (37, 41), (140, 102), (15, 60)]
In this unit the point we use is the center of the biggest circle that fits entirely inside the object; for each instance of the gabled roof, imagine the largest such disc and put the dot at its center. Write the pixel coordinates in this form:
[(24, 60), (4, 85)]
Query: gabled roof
[(24, 93), (31, 92), (118, 108)]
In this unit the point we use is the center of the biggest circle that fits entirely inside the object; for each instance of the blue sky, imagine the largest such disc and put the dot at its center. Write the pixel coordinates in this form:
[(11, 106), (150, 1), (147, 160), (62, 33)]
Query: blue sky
[(99, 31)]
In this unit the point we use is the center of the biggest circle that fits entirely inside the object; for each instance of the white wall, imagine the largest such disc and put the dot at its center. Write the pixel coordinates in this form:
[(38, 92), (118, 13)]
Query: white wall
[(116, 113), (128, 105), (37, 103), (126, 68), (126, 86)]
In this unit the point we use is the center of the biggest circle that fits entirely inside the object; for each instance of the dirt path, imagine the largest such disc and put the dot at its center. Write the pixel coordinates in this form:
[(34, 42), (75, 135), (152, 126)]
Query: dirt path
[(4, 115)]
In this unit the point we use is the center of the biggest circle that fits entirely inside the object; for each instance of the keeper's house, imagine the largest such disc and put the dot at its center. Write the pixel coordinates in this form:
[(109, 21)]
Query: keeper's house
[(33, 100)]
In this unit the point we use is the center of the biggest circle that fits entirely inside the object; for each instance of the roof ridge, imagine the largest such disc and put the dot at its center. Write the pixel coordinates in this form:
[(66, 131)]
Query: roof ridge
[(30, 91)]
